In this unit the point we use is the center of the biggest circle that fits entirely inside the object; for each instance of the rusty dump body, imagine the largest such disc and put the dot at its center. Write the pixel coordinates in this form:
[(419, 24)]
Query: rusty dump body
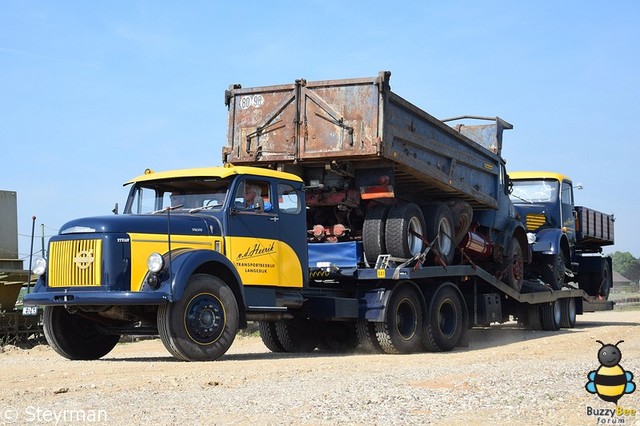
[(358, 129)]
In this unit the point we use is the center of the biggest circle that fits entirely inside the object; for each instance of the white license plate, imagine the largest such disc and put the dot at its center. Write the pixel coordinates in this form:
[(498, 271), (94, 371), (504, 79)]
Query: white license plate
[(30, 310)]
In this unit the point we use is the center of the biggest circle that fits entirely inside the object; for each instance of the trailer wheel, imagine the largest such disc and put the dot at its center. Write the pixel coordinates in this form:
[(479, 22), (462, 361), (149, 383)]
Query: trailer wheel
[(269, 336), (444, 321), (338, 336), (440, 230), (366, 333), (551, 315), (514, 268), (401, 329), (373, 242), (202, 325), (75, 337), (553, 270), (297, 335), (403, 222), (532, 317), (568, 316)]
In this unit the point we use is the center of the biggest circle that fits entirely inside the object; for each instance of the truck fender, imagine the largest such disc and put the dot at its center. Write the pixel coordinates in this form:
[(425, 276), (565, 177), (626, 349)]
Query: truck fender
[(374, 303), (185, 263), (549, 241)]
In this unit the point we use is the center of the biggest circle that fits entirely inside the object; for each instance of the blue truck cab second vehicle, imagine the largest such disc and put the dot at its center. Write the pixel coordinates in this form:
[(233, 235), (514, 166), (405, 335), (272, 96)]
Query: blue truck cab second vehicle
[(566, 240)]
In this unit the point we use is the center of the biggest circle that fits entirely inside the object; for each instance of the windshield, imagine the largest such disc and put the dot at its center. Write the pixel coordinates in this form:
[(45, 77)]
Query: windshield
[(534, 191), (187, 195)]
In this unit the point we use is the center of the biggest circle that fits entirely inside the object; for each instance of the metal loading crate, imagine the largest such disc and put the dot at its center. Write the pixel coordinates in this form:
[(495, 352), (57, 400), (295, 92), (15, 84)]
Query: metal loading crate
[(593, 228)]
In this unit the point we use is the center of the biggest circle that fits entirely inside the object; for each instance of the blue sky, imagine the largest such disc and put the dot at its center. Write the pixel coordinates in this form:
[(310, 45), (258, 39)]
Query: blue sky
[(92, 93)]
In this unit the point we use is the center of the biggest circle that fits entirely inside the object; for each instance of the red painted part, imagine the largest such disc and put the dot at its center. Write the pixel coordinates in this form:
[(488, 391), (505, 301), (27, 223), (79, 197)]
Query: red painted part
[(475, 245)]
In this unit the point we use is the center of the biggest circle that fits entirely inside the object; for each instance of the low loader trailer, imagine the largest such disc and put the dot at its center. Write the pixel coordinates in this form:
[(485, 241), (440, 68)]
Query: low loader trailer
[(377, 227)]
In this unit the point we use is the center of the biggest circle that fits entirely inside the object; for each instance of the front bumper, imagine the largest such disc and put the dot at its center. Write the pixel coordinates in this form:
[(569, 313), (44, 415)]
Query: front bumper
[(74, 297)]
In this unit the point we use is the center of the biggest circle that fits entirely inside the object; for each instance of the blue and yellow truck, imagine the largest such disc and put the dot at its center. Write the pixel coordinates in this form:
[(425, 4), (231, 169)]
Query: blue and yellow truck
[(343, 216), (566, 240)]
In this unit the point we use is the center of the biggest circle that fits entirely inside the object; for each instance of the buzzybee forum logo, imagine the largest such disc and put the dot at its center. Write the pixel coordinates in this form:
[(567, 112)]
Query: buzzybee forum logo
[(610, 382)]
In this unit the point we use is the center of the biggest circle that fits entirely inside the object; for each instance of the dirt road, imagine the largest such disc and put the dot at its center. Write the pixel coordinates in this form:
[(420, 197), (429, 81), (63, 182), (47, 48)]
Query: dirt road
[(507, 375)]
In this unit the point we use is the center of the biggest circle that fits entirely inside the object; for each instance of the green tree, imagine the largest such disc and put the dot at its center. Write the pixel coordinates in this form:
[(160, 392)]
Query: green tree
[(626, 265)]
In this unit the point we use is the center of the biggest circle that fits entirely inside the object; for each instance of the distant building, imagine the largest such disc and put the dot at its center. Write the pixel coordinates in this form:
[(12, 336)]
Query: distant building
[(622, 283)]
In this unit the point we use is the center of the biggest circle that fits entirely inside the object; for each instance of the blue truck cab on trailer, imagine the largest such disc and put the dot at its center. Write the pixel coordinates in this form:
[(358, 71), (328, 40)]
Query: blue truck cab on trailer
[(566, 240)]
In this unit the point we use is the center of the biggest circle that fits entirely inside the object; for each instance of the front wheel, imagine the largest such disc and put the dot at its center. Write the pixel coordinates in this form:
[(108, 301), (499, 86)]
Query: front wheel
[(553, 270), (202, 325), (75, 337)]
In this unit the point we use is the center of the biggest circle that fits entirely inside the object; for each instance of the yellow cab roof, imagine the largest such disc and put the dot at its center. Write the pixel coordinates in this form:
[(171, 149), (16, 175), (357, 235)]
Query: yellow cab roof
[(538, 175), (220, 171)]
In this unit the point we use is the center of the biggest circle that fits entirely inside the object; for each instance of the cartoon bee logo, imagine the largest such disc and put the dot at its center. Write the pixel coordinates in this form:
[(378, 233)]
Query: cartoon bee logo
[(610, 381)]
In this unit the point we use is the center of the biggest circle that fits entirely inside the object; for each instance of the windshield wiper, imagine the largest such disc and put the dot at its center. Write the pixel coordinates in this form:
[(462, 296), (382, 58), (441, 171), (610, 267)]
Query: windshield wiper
[(179, 206), (198, 209), (523, 199)]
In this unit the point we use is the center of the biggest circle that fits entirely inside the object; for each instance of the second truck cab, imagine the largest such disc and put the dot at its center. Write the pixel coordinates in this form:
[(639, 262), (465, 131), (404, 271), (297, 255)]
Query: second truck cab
[(566, 240)]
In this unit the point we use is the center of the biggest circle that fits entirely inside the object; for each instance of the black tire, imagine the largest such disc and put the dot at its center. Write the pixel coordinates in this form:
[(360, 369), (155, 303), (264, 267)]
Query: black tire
[(551, 315), (373, 242), (75, 337), (400, 333), (553, 270), (568, 314), (513, 274), (533, 321), (440, 230), (366, 333), (444, 321), (297, 335), (202, 325), (601, 281), (338, 336), (269, 336), (402, 221)]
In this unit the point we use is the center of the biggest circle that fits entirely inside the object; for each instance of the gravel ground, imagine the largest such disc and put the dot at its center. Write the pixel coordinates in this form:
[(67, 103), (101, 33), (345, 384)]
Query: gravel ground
[(507, 375)]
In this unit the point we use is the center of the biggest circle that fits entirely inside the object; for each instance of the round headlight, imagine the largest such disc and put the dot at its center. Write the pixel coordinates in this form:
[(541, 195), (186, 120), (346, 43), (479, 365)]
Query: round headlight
[(155, 262), (40, 266), (531, 237)]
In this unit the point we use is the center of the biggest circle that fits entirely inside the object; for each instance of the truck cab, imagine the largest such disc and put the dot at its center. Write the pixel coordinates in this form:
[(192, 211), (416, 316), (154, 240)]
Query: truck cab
[(190, 259), (563, 248)]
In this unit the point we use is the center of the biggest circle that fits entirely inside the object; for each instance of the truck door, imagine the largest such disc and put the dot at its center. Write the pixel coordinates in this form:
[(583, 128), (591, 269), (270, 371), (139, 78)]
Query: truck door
[(566, 206), (257, 236)]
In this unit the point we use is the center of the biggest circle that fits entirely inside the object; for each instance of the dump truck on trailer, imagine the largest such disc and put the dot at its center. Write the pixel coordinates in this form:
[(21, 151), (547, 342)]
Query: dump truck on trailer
[(343, 216)]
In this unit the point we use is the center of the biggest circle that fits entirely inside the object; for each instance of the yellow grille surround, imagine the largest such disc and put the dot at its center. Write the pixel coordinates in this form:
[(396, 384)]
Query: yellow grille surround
[(75, 263)]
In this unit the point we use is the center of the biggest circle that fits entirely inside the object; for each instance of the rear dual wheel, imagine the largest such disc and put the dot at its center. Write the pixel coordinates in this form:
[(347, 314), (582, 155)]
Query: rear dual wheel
[(440, 230), (445, 320), (400, 332), (399, 230)]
